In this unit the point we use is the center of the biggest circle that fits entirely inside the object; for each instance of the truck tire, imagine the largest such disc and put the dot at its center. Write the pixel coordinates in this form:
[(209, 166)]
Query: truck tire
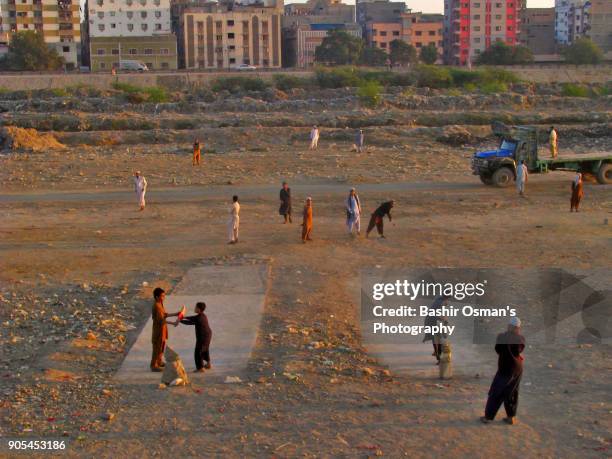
[(486, 179), (502, 177), (604, 176)]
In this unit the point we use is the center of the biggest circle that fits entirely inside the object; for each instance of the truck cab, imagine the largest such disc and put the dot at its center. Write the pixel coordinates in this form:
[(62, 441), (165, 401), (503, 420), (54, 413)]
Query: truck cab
[(498, 167)]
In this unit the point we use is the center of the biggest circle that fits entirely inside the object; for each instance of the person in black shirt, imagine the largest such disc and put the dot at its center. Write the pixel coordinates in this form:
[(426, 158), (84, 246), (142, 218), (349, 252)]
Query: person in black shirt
[(377, 217), (505, 386), (285, 199), (203, 337)]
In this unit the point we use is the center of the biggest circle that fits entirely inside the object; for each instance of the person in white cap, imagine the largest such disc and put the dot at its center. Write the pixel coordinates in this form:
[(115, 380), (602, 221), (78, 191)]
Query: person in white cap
[(140, 186), (505, 386), (353, 213)]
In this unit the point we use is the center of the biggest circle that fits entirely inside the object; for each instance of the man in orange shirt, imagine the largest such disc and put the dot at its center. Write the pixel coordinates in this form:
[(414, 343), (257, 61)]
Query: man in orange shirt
[(196, 153), (307, 221), (160, 329)]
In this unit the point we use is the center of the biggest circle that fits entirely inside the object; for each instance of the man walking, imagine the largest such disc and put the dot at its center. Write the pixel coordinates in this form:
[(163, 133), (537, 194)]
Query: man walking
[(353, 213), (234, 222), (285, 205), (577, 192), (359, 141), (196, 153), (140, 186), (314, 138), (505, 386), (307, 220), (521, 177), (377, 218), (160, 329), (552, 139)]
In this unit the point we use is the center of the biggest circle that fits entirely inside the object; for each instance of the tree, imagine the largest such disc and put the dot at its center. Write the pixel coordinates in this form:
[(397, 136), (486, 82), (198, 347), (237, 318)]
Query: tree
[(500, 53), (28, 51), (402, 53), (373, 56), (582, 51), (339, 48), (429, 54)]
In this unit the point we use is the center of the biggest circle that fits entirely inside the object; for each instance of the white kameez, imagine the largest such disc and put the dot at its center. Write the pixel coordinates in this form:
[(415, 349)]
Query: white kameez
[(140, 186), (233, 224)]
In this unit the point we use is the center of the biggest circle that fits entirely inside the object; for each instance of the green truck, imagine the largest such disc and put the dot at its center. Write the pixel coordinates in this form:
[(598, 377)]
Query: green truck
[(498, 167)]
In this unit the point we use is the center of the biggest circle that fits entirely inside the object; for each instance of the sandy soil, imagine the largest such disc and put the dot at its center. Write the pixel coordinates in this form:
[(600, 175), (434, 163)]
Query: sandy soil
[(70, 244)]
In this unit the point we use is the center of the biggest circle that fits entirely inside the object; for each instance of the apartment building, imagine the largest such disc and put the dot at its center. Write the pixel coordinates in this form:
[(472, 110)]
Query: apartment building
[(226, 35), (472, 26), (600, 25), (538, 31), (131, 30), (57, 20)]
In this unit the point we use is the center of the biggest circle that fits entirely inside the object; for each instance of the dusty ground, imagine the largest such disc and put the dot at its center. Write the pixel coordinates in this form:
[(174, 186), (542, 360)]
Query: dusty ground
[(75, 253)]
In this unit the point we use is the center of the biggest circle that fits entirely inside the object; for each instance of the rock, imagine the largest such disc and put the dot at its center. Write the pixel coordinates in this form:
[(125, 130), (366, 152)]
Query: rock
[(91, 336), (174, 368), (232, 380), (367, 371), (108, 416)]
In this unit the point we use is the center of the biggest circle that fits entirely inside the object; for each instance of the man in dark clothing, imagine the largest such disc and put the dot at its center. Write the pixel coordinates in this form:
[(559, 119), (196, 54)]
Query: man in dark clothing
[(377, 217), (203, 337), (505, 386), (285, 199)]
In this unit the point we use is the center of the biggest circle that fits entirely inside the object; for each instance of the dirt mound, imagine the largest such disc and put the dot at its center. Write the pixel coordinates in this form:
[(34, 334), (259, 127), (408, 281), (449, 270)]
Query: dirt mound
[(15, 138)]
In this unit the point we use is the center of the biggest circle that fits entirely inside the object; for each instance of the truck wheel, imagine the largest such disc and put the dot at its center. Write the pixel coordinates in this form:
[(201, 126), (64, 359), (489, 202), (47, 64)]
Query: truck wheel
[(486, 179), (604, 176), (502, 177)]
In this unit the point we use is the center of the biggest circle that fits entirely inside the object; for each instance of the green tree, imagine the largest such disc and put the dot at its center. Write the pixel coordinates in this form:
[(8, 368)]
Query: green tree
[(582, 51), (500, 53), (369, 93), (402, 53), (429, 54), (373, 56), (339, 48), (28, 51)]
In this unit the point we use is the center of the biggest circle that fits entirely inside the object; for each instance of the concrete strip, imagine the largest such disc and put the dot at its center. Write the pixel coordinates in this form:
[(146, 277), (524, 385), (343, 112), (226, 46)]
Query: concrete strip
[(235, 297)]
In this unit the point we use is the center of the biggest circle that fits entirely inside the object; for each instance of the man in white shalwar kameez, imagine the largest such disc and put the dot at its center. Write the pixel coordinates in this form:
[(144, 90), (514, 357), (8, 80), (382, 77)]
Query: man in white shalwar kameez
[(234, 222), (353, 212), (314, 138), (140, 186), (521, 177)]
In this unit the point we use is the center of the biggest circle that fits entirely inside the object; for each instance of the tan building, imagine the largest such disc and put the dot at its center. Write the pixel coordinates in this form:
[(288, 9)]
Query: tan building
[(157, 52), (538, 31), (223, 38), (58, 20), (600, 25)]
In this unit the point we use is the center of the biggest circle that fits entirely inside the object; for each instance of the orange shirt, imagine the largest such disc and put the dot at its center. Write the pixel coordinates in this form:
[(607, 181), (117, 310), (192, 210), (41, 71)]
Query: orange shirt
[(160, 328)]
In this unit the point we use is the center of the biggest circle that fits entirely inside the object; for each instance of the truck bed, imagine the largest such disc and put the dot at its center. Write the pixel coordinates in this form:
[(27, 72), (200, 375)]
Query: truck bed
[(573, 157)]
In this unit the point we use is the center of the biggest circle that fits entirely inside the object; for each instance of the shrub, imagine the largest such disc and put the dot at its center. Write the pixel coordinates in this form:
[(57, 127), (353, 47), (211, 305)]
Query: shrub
[(340, 77), (369, 93), (432, 76), (463, 77), (286, 82), (490, 87), (238, 84), (574, 90), (156, 94)]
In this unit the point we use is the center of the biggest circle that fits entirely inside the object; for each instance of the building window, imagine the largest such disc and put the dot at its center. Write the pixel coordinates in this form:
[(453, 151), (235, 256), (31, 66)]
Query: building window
[(498, 5), (231, 48), (100, 14), (477, 40), (230, 23), (232, 60), (477, 16), (99, 2), (133, 51), (130, 14), (510, 16), (418, 33), (432, 33), (144, 27), (102, 65), (148, 51), (114, 52), (497, 28), (66, 49), (383, 44), (164, 51), (476, 5), (383, 33), (396, 33), (143, 14), (219, 37), (230, 36), (498, 16), (112, 13), (158, 27), (113, 26), (101, 27), (165, 65), (100, 51), (130, 27), (143, 2), (476, 28), (158, 14)]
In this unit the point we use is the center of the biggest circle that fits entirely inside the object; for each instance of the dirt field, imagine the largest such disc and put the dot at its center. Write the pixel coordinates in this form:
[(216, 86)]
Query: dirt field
[(76, 257)]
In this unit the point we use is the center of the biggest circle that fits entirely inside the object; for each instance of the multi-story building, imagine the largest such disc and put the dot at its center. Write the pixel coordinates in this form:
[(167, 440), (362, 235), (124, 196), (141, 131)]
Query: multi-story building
[(600, 25), (472, 26), (131, 30), (538, 31), (305, 25), (571, 20), (57, 20), (379, 11), (226, 35)]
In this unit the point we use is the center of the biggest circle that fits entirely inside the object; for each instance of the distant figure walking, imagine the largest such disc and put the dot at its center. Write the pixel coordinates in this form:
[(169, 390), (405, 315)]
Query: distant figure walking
[(314, 138), (353, 212), (140, 186), (359, 141), (552, 139), (505, 386), (307, 220), (521, 177), (577, 192), (196, 153), (285, 205), (233, 224), (377, 218)]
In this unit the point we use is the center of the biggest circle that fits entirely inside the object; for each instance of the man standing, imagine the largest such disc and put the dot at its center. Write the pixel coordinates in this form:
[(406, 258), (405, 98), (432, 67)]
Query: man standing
[(314, 138), (505, 386), (431, 320), (552, 138), (353, 212), (234, 221), (377, 218), (521, 177), (160, 329), (140, 186), (307, 220), (196, 153), (359, 141), (577, 192), (203, 337), (285, 205)]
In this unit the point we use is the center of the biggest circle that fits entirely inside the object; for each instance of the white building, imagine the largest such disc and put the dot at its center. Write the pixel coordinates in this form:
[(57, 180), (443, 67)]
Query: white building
[(129, 18), (571, 20)]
